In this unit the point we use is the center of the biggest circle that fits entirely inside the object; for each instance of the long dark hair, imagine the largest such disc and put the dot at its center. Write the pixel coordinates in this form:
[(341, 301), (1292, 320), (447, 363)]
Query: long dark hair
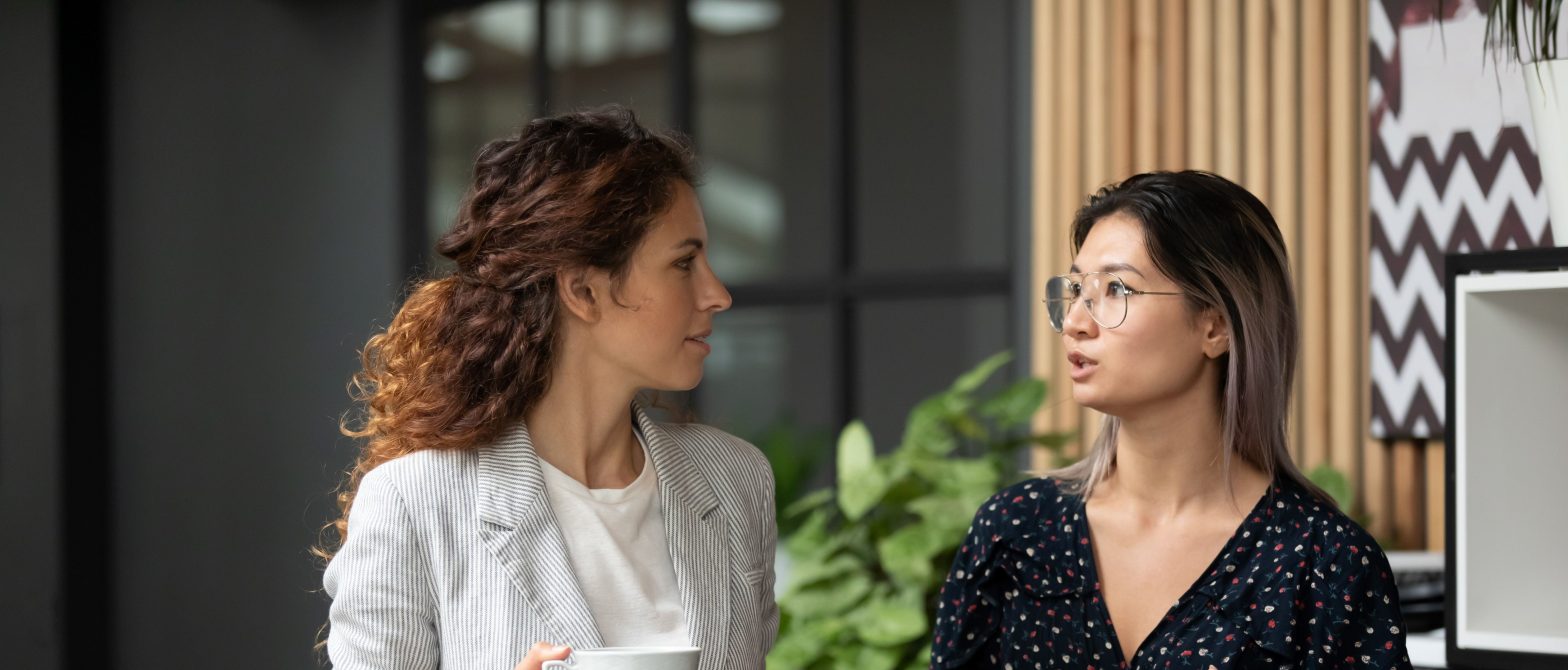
[(471, 351), (1221, 245)]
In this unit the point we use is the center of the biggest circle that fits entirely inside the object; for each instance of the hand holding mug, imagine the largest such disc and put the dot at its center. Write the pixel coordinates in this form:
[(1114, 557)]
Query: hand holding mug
[(542, 652), (630, 658)]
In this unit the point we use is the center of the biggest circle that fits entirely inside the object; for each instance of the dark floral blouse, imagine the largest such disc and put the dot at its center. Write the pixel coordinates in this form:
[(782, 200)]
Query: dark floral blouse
[(1299, 585)]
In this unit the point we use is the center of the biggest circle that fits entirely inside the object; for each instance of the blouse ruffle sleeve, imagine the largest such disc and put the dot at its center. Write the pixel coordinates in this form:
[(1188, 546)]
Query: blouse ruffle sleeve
[(1356, 621), (969, 611)]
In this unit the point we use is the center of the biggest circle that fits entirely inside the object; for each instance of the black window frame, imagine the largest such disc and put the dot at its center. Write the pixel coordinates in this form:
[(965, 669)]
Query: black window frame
[(844, 288)]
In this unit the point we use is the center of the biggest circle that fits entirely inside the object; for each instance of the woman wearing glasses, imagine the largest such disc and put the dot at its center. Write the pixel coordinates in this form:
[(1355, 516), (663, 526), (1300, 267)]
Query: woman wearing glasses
[(512, 500), (1186, 538)]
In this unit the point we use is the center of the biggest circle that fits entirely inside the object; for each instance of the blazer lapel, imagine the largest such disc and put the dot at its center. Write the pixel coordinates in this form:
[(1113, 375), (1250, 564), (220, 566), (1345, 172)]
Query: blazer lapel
[(698, 538), (520, 529)]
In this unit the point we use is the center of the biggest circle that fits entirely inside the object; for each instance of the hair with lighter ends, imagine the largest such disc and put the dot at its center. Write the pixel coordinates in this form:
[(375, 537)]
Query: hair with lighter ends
[(469, 352), (1221, 245)]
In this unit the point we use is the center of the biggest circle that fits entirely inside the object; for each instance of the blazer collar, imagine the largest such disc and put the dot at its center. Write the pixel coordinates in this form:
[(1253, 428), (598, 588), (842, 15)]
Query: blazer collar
[(697, 537), (511, 481), (679, 476), (521, 530)]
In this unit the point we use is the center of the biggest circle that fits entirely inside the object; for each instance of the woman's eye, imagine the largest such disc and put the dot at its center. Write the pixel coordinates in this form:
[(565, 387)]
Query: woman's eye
[(1116, 289), (685, 263)]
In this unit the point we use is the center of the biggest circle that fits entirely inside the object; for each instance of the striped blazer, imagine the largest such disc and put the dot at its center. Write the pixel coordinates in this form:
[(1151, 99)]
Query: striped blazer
[(454, 559)]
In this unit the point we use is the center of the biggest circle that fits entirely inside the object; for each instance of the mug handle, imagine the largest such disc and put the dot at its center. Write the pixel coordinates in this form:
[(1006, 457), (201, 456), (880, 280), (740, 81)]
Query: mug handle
[(555, 665)]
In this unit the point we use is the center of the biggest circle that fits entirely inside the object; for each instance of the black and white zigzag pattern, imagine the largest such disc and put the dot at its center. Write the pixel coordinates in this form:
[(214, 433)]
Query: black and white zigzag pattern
[(1433, 191)]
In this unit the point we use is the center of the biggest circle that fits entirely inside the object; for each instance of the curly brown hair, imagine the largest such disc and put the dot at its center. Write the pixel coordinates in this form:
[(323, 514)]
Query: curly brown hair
[(471, 351)]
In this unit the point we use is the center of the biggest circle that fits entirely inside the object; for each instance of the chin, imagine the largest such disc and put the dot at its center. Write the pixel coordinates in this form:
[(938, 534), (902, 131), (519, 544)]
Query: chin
[(1090, 400), (682, 383)]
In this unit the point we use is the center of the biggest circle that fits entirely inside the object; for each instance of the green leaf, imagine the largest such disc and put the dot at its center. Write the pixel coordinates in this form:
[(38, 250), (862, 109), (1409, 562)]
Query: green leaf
[(887, 622), (974, 379), (809, 502), (860, 482), (803, 642), (906, 554), (827, 598), (1015, 404), (1335, 483), (948, 514), (865, 658), (869, 555), (961, 477), (809, 573), (926, 432), (810, 536)]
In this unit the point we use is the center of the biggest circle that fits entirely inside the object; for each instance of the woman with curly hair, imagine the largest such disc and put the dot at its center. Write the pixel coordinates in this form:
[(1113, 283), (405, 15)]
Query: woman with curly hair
[(513, 500)]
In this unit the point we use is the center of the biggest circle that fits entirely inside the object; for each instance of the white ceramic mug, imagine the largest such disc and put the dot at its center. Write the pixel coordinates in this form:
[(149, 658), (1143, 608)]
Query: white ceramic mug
[(630, 658)]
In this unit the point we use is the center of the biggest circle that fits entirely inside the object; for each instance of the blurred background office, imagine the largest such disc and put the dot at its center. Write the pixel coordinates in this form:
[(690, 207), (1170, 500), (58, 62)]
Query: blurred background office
[(207, 208)]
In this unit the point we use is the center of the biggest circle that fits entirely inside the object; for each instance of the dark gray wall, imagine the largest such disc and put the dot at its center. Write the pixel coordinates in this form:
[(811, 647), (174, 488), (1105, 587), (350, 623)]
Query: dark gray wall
[(29, 374), (255, 230)]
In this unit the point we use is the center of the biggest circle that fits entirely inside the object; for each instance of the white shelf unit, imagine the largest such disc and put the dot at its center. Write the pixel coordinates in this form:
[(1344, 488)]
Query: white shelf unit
[(1510, 495)]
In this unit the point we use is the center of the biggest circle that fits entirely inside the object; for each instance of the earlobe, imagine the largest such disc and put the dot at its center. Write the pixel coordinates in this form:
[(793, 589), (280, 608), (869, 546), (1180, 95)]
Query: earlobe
[(1217, 343), (1218, 346)]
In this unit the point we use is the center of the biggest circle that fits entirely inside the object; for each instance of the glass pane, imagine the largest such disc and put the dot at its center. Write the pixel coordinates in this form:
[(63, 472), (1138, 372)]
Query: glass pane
[(604, 51), (912, 349), (478, 73), (932, 105), (768, 381), (762, 117)]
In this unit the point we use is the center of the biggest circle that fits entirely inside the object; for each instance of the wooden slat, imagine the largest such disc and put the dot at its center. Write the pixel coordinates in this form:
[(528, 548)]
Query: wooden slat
[(1043, 207), (1408, 476), (1200, 84), (1375, 497), (1146, 105), (1173, 84), (1119, 62), (1256, 55), (1436, 509), (1284, 152), (1099, 80), (1227, 89), (1346, 112), (1312, 296), (1070, 189)]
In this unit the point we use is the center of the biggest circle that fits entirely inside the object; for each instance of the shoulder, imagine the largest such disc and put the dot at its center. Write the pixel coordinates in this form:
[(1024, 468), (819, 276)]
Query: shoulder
[(422, 478), (1341, 550), (1029, 499), (719, 452)]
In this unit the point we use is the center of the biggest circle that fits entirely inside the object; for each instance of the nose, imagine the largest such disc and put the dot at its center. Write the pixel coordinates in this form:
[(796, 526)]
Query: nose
[(1078, 323), (714, 296)]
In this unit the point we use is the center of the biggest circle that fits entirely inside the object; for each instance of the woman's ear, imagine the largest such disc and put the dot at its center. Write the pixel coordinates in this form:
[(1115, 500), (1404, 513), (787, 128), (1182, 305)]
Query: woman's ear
[(1216, 333), (579, 292)]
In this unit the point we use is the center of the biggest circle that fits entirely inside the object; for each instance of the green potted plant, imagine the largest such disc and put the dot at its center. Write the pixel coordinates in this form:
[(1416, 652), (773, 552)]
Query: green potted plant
[(869, 555)]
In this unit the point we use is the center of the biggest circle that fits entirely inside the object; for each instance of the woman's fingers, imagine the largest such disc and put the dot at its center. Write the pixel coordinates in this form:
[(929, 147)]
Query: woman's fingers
[(541, 652)]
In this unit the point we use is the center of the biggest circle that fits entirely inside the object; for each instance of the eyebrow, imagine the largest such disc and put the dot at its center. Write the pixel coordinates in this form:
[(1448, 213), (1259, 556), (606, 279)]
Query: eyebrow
[(1111, 267), (692, 242)]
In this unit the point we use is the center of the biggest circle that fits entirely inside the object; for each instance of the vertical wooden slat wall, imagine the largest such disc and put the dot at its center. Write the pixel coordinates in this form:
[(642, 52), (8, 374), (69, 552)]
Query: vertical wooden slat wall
[(1271, 94)]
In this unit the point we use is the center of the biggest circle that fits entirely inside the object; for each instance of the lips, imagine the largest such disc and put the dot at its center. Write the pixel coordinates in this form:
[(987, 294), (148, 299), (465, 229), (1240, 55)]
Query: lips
[(1080, 366), (701, 340)]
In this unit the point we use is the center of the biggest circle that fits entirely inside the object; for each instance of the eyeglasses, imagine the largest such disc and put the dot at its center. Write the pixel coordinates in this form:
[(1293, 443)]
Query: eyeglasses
[(1104, 294)]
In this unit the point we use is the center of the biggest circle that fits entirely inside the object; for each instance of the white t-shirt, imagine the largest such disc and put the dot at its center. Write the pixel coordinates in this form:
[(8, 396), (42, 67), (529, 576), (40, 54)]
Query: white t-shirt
[(615, 541)]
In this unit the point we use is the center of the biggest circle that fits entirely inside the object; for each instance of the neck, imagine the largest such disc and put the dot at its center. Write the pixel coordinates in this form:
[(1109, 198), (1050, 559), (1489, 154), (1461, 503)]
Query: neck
[(583, 424), (1170, 461)]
